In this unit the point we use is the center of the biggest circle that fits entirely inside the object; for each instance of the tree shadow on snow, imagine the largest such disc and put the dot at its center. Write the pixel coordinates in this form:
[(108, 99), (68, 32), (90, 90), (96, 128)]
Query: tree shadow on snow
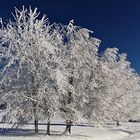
[(30, 132), (60, 133), (125, 131), (19, 132)]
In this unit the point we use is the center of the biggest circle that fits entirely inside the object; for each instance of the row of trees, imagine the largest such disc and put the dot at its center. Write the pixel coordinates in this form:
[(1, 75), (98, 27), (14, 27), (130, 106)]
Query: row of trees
[(55, 71)]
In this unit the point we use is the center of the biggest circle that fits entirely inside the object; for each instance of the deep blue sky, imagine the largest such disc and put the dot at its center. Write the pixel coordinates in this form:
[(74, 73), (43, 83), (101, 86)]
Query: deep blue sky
[(115, 22)]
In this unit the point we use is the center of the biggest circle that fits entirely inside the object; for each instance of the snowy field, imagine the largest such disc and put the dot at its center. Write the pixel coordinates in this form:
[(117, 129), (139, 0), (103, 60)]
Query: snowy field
[(127, 131)]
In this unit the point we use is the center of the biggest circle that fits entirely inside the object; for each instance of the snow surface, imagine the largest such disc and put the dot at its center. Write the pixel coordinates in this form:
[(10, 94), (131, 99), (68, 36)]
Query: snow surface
[(126, 131)]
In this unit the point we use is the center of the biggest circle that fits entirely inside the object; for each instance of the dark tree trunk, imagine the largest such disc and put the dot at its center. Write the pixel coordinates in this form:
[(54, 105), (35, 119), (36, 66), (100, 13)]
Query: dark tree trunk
[(69, 130), (48, 128), (36, 126), (68, 127), (35, 118), (34, 103), (68, 122), (118, 123), (70, 99)]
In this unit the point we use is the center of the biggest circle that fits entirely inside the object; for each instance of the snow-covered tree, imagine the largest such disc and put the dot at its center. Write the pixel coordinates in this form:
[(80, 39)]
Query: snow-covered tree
[(53, 70), (30, 52), (120, 87), (113, 94), (78, 61)]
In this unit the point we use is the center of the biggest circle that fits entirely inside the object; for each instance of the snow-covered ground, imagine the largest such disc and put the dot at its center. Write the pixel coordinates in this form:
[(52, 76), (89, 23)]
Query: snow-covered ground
[(127, 131)]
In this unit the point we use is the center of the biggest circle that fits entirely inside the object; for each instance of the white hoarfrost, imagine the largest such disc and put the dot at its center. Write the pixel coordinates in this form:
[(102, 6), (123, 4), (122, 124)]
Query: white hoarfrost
[(53, 71)]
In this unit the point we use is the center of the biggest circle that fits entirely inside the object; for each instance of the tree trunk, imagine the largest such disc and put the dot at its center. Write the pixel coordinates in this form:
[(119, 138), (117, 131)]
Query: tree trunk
[(48, 128), (70, 99), (118, 123), (68, 127), (34, 103), (35, 118), (36, 126)]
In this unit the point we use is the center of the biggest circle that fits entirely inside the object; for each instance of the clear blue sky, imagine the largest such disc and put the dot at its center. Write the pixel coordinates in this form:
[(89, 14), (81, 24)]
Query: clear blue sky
[(115, 22)]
